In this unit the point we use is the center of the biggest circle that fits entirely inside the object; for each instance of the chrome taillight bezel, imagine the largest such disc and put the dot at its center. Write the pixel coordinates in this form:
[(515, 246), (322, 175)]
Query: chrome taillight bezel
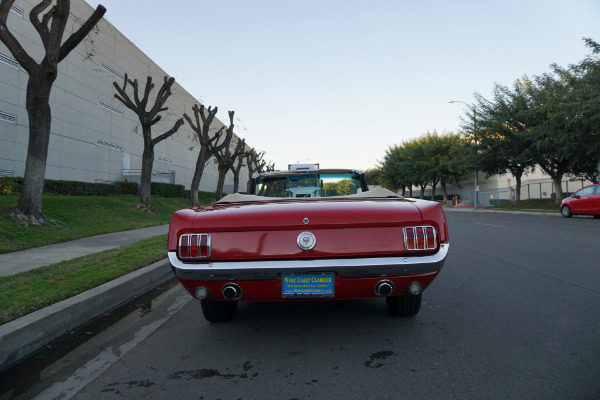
[(420, 238), (194, 246)]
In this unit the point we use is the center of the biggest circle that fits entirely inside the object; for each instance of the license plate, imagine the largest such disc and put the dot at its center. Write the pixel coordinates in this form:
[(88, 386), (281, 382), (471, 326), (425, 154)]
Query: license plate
[(308, 285)]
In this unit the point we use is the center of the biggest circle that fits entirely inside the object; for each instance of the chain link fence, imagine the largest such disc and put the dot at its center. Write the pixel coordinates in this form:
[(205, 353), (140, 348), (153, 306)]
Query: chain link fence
[(492, 197)]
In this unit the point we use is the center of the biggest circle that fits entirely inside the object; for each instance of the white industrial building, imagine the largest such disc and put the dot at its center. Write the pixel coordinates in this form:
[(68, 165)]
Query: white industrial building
[(94, 137)]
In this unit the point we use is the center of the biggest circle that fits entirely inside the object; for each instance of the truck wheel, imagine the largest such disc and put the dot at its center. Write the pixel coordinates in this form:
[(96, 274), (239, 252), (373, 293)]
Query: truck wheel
[(404, 306), (218, 311), (566, 212)]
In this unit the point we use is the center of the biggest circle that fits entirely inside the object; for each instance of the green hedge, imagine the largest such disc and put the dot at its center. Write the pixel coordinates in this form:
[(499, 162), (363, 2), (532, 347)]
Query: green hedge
[(75, 188), (10, 185), (67, 188), (128, 188), (167, 190)]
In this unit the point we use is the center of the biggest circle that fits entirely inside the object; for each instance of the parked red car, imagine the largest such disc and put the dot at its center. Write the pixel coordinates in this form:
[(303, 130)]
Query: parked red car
[(308, 235), (584, 201)]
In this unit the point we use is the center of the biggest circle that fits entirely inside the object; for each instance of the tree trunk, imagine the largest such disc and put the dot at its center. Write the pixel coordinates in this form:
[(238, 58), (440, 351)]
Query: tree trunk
[(518, 188), (194, 201), (558, 189), (236, 182), (444, 193), (221, 181), (433, 186), (29, 207), (146, 178)]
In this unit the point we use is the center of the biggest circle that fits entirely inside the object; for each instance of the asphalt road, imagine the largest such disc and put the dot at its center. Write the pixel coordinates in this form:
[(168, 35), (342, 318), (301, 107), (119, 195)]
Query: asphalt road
[(513, 315)]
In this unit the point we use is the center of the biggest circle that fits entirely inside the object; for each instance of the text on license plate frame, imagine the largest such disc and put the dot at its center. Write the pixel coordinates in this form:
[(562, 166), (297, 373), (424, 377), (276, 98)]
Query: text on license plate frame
[(308, 285)]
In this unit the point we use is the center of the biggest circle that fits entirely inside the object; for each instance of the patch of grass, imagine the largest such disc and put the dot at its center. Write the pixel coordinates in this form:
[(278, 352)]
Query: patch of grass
[(540, 205), (29, 291), (80, 217)]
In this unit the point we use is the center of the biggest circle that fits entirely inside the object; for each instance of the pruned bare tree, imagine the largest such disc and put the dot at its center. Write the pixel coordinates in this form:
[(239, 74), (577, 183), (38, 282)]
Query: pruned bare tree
[(207, 144), (147, 120), (255, 164), (42, 75), (239, 162), (225, 157)]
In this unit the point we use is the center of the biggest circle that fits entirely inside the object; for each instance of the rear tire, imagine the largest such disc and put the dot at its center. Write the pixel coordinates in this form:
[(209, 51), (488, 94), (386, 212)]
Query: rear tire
[(218, 311), (597, 216), (404, 306), (566, 212)]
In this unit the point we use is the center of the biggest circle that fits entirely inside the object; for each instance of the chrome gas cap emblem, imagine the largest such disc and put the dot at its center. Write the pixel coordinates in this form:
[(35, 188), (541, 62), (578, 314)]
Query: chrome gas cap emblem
[(306, 241)]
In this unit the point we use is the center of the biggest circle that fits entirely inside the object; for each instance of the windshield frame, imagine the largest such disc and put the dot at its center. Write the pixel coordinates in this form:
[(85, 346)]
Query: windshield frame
[(309, 183)]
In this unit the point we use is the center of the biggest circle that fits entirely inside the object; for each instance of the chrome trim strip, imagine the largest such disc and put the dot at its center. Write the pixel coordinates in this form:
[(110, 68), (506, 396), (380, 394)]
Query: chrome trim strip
[(345, 267)]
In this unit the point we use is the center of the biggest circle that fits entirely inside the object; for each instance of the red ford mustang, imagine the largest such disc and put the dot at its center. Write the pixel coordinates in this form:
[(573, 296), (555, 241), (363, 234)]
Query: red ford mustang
[(308, 235)]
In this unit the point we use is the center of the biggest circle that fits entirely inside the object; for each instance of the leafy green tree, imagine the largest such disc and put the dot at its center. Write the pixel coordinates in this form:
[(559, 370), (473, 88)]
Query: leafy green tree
[(416, 164), (504, 142), (431, 159), (581, 109), (554, 147), (565, 117), (454, 163), (393, 169)]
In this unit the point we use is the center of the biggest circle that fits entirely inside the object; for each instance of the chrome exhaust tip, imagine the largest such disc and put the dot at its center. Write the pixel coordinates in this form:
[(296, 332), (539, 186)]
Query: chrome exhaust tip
[(231, 291), (384, 288)]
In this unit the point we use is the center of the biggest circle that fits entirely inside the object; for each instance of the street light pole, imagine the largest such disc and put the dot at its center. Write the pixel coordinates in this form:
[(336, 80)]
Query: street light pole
[(474, 134)]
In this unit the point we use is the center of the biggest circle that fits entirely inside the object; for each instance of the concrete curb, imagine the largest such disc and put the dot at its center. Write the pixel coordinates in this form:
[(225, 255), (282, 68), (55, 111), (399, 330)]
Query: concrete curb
[(21, 337)]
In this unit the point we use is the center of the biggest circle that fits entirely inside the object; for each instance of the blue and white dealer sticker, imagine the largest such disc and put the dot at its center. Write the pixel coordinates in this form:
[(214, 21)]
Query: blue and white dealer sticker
[(320, 284)]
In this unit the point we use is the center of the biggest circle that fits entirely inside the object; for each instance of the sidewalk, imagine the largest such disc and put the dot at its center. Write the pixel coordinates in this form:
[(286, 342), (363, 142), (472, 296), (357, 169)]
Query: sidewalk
[(22, 337), (483, 210), (19, 261)]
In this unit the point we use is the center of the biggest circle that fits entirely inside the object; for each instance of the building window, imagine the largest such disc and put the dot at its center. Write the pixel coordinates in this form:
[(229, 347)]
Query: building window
[(164, 160), (109, 145), (8, 117), (110, 108), (9, 61), (112, 71), (17, 10)]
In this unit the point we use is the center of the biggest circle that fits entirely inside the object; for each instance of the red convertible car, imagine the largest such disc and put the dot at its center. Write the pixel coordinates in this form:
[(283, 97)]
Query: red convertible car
[(317, 234)]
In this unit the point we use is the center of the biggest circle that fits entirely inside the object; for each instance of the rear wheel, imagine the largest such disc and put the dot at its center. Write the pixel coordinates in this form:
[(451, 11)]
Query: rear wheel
[(597, 216), (566, 212), (218, 311), (404, 306)]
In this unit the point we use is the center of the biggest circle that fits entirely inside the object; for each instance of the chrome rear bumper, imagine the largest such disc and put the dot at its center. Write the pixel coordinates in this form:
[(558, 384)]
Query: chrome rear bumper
[(344, 267)]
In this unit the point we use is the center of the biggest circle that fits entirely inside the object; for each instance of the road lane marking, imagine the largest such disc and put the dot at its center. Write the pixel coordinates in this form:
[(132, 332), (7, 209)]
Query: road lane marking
[(497, 226)]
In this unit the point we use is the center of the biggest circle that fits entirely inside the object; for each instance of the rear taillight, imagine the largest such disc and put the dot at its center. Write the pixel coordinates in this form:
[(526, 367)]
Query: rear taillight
[(419, 238), (194, 246)]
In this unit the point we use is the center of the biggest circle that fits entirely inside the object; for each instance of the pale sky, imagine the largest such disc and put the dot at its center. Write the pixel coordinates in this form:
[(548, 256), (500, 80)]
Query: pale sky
[(336, 82)]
